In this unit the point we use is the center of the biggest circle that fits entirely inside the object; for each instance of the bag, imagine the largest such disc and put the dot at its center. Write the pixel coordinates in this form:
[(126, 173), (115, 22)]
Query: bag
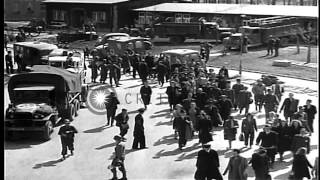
[(241, 137)]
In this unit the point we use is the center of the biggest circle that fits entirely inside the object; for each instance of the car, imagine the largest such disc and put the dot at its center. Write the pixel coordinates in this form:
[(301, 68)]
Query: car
[(33, 53), (102, 40), (119, 45), (177, 57)]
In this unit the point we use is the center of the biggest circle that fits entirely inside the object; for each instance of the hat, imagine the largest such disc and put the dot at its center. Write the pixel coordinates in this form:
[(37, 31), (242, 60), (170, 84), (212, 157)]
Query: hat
[(207, 145), (141, 110), (117, 138)]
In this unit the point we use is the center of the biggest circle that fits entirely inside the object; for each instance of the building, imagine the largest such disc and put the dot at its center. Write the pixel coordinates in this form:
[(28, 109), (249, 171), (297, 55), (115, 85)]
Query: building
[(106, 15), (23, 10), (230, 15)]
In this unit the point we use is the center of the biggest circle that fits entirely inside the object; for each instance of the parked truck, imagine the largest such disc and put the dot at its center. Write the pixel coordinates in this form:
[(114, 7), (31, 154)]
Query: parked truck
[(41, 98), (259, 30), (179, 32)]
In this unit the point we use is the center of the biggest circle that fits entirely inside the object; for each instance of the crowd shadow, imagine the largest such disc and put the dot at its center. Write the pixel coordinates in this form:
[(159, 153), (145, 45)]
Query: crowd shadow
[(178, 151), (168, 140), (96, 130), (106, 146), (133, 112), (162, 111), (129, 87), (168, 123), (281, 165), (127, 151), (166, 115), (51, 163)]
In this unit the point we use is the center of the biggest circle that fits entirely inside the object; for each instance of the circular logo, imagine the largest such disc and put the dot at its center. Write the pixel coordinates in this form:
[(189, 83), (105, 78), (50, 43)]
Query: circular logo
[(97, 98)]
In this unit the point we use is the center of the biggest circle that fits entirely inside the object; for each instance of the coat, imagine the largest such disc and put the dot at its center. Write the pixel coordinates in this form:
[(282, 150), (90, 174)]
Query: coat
[(229, 93), (225, 108), (138, 126), (248, 127), (213, 113), (173, 95), (103, 72), (267, 141), (237, 168), (244, 98), (310, 111), (208, 165), (146, 94), (299, 141), (229, 132), (289, 107), (300, 166), (284, 138), (204, 126), (260, 165), (201, 99)]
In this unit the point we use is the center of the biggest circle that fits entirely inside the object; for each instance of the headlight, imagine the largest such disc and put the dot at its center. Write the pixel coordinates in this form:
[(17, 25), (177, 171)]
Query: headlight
[(38, 116)]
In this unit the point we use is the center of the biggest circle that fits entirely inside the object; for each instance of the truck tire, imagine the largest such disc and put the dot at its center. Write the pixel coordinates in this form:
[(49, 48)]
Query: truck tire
[(71, 112), (48, 128), (76, 107)]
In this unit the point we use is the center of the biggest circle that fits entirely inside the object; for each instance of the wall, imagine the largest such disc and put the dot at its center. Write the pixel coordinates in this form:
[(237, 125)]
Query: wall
[(23, 10)]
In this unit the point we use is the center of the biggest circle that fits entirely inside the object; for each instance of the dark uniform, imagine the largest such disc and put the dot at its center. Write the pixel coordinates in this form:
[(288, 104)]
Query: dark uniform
[(143, 70), (138, 133), (111, 106), (122, 123), (161, 71), (118, 160), (270, 142), (66, 133), (146, 94), (208, 165), (237, 88), (9, 64)]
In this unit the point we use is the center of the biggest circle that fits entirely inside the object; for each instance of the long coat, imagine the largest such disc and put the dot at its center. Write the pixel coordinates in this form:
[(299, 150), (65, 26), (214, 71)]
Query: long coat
[(236, 168), (244, 97), (143, 70), (229, 131), (225, 108), (268, 140), (208, 165), (103, 72), (173, 95), (213, 113), (204, 127), (300, 166), (138, 130), (260, 165), (249, 126), (285, 138), (146, 94), (299, 141), (289, 107)]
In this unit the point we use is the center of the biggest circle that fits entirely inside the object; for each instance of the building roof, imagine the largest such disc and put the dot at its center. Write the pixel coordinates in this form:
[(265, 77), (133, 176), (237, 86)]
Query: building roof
[(86, 1), (247, 9)]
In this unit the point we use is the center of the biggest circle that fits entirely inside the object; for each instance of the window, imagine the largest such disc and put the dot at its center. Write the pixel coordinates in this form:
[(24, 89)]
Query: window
[(178, 18), (182, 18), (186, 18), (59, 15), (145, 18), (99, 16)]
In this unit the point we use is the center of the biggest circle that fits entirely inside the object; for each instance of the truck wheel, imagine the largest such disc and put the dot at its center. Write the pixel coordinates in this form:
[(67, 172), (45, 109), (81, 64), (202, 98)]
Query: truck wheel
[(284, 42), (71, 112), (47, 130), (76, 107)]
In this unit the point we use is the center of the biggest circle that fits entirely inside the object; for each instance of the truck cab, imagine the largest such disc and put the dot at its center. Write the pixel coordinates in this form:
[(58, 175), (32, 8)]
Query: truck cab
[(32, 108), (254, 35)]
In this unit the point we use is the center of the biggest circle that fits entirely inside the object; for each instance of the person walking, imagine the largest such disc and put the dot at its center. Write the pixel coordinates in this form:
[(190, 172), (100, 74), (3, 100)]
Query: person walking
[(122, 122), (285, 138), (126, 62), (207, 164), (135, 59), (237, 88), (244, 100), (276, 46), (103, 72), (94, 70), (138, 131), (258, 91), (245, 44), (193, 114), (145, 92), (278, 90), (301, 165), (270, 45), (310, 110), (118, 159), (300, 140), (181, 124), (204, 126), (301, 115), (237, 167), (270, 102), (225, 107), (111, 106), (213, 112), (9, 63), (269, 141), (161, 70), (113, 74), (289, 107), (315, 169), (173, 95), (18, 60), (248, 128), (66, 133), (230, 130), (260, 164), (143, 70)]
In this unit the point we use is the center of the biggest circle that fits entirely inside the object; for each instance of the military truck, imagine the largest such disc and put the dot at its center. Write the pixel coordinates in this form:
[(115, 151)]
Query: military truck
[(41, 98), (259, 30), (179, 32)]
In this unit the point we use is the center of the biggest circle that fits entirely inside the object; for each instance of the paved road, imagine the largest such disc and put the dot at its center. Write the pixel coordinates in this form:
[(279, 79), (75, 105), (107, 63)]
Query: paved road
[(29, 158)]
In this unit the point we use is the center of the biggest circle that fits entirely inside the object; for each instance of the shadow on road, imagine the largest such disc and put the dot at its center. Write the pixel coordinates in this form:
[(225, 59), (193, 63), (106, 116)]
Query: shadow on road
[(178, 151), (96, 130), (51, 163), (166, 115), (106, 146), (22, 141), (168, 123), (168, 140)]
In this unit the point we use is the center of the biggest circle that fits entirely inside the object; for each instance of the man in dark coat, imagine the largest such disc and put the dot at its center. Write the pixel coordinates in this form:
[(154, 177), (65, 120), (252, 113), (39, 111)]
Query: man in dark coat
[(122, 122), (18, 59), (260, 164), (145, 92), (244, 100), (289, 107), (270, 45), (213, 112), (150, 62), (228, 92), (186, 102), (181, 124), (111, 106), (311, 110), (276, 47), (225, 107), (270, 102), (207, 164), (135, 59), (237, 88), (66, 133), (201, 98), (269, 141), (138, 131), (9, 63), (143, 70), (113, 74), (118, 159), (161, 71), (300, 140), (173, 95)]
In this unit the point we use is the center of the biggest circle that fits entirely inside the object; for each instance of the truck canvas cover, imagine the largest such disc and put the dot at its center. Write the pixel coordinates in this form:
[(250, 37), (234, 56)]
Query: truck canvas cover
[(63, 80)]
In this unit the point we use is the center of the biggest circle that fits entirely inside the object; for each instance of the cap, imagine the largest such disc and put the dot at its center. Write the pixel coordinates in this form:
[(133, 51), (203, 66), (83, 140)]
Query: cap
[(141, 110), (117, 138)]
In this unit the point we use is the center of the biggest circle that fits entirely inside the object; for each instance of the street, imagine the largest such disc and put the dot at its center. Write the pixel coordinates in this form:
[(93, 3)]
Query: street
[(27, 158)]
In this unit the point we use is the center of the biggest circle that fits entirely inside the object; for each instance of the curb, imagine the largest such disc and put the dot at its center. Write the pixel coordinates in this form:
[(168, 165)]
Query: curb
[(274, 74)]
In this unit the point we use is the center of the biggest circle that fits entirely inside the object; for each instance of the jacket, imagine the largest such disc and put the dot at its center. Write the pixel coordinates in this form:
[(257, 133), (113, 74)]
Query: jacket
[(248, 127)]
